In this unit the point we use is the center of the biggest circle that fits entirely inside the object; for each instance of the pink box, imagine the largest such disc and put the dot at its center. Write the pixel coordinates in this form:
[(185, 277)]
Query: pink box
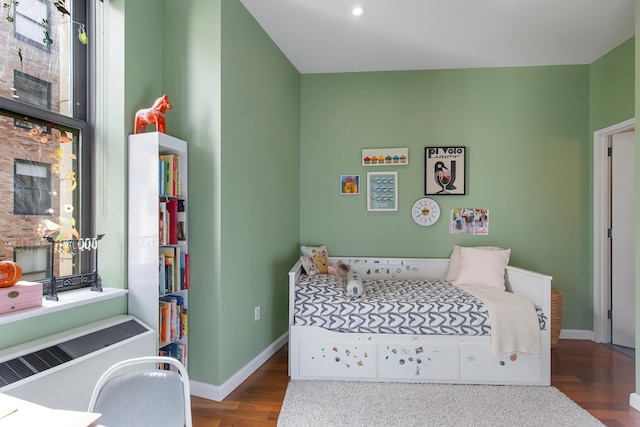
[(20, 296)]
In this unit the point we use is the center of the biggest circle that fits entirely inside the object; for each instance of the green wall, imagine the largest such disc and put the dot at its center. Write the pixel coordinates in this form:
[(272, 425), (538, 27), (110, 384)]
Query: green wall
[(611, 87), (260, 187), (238, 103), (526, 133)]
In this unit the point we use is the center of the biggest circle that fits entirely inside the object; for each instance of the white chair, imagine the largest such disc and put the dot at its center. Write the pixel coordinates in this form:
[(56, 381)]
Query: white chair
[(143, 397)]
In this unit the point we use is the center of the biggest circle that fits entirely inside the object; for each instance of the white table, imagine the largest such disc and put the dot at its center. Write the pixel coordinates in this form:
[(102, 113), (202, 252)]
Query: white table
[(16, 412)]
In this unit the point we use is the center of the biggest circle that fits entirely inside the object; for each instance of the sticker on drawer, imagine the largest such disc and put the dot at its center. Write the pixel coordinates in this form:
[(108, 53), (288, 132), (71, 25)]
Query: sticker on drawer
[(418, 361), (479, 364), (337, 360)]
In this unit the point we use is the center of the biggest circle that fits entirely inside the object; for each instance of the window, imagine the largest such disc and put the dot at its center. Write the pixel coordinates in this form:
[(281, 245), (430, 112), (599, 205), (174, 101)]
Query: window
[(31, 188), (32, 22), (34, 261), (32, 90), (45, 145)]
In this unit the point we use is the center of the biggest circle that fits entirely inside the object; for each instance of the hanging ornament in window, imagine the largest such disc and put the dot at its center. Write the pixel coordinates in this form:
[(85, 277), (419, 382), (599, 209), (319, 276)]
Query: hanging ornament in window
[(10, 7), (46, 39), (60, 6), (82, 34)]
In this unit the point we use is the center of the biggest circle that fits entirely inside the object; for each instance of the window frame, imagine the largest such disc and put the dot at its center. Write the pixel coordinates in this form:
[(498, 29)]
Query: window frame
[(82, 111)]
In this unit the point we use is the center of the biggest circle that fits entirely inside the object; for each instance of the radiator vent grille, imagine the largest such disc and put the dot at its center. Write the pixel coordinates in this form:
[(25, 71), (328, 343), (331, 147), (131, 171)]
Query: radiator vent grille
[(33, 363)]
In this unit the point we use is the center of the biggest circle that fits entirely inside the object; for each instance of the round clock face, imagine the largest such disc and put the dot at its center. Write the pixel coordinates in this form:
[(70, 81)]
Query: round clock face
[(425, 211)]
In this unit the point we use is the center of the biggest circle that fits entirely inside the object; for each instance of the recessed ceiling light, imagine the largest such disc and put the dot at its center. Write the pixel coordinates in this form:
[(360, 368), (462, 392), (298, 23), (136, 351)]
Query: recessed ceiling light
[(357, 11)]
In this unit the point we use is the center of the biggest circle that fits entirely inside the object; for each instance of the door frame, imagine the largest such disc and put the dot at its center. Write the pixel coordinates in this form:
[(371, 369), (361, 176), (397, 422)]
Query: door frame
[(601, 261)]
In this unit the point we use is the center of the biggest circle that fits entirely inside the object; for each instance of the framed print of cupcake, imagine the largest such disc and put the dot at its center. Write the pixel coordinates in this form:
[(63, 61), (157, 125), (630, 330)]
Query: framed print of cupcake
[(385, 156)]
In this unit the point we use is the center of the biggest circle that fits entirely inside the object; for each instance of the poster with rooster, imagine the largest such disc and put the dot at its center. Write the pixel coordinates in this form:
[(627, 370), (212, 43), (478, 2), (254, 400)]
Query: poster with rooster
[(444, 171)]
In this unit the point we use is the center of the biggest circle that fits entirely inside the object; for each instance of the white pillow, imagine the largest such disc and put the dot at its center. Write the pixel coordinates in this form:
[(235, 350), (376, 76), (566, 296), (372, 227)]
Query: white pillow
[(456, 259), (481, 267)]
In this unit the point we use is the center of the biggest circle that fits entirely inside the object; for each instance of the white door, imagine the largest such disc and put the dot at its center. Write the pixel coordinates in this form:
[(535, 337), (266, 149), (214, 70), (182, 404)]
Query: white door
[(623, 240)]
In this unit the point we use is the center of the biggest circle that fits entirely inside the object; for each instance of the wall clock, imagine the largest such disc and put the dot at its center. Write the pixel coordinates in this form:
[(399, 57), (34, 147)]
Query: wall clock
[(425, 211)]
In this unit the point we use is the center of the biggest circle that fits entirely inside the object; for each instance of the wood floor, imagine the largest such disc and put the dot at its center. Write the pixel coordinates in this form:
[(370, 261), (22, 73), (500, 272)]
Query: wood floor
[(592, 375)]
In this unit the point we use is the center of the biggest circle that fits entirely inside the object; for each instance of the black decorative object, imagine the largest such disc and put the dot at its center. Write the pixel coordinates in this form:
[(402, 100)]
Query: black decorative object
[(82, 280)]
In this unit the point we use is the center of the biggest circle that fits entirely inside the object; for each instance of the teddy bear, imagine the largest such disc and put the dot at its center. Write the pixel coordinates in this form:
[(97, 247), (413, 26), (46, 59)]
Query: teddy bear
[(321, 259)]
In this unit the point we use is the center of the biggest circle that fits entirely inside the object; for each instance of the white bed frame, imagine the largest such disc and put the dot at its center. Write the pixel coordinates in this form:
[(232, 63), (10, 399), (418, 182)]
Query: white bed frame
[(318, 353)]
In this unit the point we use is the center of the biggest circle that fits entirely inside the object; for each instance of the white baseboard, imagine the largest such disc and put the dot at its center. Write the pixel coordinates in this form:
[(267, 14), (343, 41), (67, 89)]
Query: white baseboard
[(576, 334), (634, 401), (218, 393)]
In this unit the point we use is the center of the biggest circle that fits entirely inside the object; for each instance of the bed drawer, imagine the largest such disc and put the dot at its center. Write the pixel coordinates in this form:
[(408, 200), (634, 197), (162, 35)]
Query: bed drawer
[(322, 359), (418, 361), (479, 364)]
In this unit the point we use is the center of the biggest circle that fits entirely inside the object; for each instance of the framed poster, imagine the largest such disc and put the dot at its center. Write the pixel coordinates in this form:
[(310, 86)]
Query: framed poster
[(349, 184), (382, 191), (444, 171)]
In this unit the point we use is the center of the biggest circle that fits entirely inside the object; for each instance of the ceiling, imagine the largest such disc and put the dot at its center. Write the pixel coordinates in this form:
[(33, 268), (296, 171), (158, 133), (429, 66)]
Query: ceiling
[(322, 36)]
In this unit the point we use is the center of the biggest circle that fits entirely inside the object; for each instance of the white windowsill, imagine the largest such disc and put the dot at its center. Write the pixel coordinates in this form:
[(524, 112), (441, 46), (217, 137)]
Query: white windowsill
[(67, 300)]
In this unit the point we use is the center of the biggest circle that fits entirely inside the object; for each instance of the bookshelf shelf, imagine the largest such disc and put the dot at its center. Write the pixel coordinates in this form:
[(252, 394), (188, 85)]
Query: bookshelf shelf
[(158, 271)]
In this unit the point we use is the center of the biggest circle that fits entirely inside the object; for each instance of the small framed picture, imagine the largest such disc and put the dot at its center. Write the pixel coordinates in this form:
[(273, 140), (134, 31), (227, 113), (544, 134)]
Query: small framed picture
[(385, 156), (349, 184), (382, 191), (469, 221), (444, 171)]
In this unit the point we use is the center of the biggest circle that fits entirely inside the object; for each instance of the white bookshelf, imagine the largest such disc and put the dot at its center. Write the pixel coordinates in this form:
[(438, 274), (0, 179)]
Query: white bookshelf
[(144, 198)]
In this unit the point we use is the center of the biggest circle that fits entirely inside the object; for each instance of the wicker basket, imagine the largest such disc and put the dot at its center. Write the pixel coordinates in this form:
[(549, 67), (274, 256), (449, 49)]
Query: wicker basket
[(556, 316)]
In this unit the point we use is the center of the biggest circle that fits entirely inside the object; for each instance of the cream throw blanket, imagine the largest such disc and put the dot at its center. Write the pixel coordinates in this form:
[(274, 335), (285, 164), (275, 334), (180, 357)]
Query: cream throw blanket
[(515, 327)]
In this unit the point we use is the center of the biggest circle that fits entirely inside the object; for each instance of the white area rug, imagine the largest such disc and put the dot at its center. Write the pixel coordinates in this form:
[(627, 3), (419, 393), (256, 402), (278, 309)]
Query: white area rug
[(337, 403)]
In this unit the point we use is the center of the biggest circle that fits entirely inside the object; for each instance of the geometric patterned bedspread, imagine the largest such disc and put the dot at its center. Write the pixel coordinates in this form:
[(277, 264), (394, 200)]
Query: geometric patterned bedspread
[(391, 307)]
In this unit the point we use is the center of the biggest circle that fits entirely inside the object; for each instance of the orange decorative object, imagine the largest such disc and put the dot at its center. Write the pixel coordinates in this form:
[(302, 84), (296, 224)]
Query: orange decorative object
[(153, 115), (10, 273)]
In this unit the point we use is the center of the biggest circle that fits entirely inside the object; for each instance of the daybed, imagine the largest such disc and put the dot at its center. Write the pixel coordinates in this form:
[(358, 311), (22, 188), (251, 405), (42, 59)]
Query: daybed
[(316, 352)]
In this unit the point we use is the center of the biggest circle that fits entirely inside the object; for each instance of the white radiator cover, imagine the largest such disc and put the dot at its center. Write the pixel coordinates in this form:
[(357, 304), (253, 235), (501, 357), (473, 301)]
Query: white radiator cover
[(70, 384)]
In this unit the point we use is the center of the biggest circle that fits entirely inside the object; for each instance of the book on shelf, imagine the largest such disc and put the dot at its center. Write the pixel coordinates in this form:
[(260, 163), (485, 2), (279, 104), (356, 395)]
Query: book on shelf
[(184, 270), (163, 228), (165, 178), (177, 178), (170, 266), (161, 177), (176, 350), (174, 319), (176, 268), (162, 286), (172, 212), (185, 321), (181, 232), (167, 159), (171, 179), (164, 324)]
